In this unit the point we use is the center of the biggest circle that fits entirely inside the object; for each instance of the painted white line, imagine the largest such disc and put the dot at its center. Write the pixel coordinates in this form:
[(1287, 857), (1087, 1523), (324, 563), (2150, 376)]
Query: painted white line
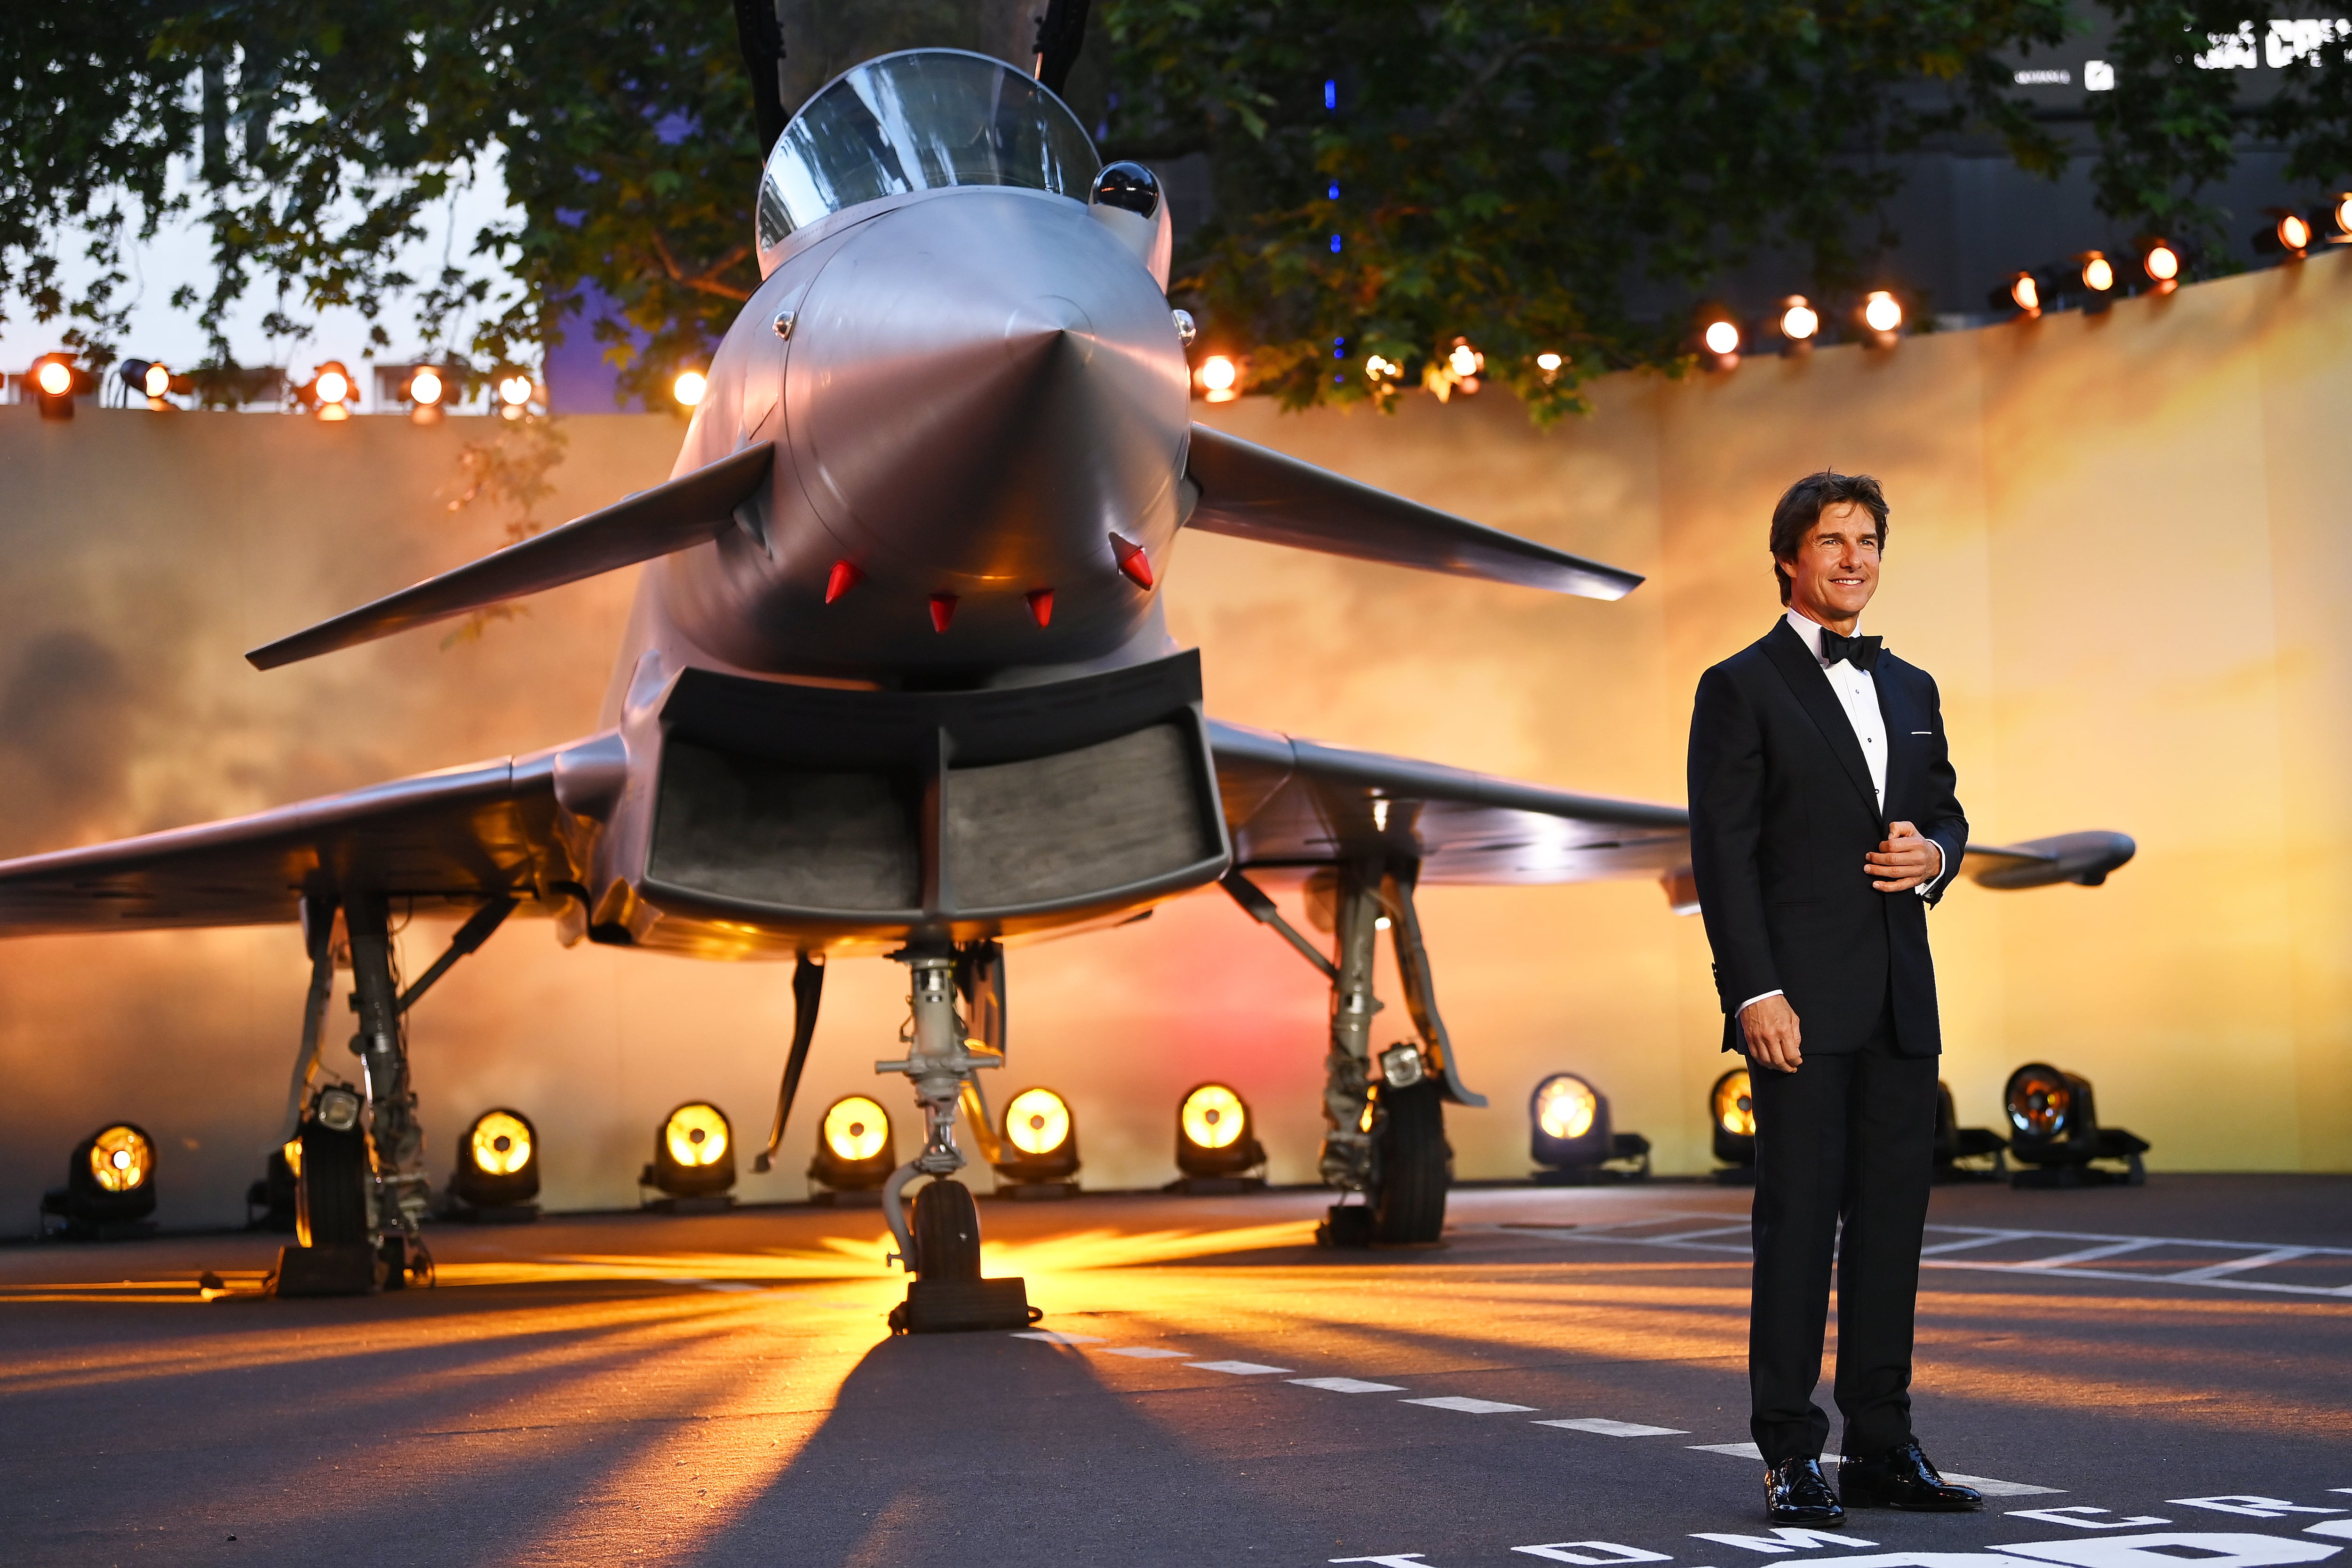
[(1985, 1484), (1467, 1405), (1147, 1353), (1607, 1428), (2087, 1255), (1349, 1385), (2235, 1265), (1052, 1337), (1238, 1368)]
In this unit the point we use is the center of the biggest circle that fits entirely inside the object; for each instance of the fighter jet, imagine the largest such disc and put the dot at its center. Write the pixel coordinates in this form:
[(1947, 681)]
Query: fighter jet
[(898, 682)]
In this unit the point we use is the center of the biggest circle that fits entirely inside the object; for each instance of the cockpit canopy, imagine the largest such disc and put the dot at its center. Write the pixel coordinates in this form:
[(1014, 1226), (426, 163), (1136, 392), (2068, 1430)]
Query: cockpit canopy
[(918, 120)]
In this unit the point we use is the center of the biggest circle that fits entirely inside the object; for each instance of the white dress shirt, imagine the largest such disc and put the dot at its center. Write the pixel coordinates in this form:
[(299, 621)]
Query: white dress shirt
[(1858, 693)]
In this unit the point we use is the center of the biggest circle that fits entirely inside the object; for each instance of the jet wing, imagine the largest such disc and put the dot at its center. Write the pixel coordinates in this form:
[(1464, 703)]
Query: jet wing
[(1296, 805), (456, 838), (1254, 492)]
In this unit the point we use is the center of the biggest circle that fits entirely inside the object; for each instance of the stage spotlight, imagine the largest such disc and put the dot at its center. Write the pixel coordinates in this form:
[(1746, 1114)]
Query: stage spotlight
[(854, 1151), (2099, 274), (2022, 293), (1041, 1150), (1215, 1145), (1800, 322), (1219, 377), (498, 1170), (2289, 234), (54, 382), (2053, 1123), (694, 1160), (2161, 261), (1718, 335), (109, 1189), (1955, 1144), (147, 379), (1881, 316), (1569, 1135), (329, 392), (2340, 218), (1723, 337), (1549, 364), (1465, 360), (1731, 1107)]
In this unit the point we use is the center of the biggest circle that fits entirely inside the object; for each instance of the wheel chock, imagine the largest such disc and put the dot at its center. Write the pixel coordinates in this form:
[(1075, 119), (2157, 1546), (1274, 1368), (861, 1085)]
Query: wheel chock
[(348, 1270), (964, 1306)]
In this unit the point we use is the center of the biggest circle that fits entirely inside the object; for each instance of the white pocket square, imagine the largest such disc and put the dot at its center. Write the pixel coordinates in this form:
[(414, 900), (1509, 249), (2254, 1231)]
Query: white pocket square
[(1922, 732)]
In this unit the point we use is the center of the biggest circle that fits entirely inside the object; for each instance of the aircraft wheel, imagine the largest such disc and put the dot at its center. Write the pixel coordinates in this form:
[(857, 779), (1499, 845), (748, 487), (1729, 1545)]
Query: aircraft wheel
[(330, 1206), (947, 1232), (1416, 1166)]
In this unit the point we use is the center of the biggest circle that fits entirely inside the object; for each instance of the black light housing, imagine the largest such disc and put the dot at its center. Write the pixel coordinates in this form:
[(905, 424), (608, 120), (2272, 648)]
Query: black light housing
[(855, 1150), (56, 381), (1731, 1111), (1216, 1145), (1569, 1134), (2054, 1125), (2288, 234), (497, 1169), (1040, 1146), (694, 1159), (110, 1191), (1955, 1144)]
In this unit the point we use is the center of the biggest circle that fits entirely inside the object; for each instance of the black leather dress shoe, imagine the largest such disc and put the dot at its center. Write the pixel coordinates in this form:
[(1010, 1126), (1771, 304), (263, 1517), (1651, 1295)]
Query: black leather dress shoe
[(1904, 1478), (1796, 1492)]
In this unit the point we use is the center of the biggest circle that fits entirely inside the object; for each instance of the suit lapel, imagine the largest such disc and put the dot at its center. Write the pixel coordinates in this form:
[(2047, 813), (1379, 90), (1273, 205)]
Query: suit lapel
[(1896, 715), (1810, 685)]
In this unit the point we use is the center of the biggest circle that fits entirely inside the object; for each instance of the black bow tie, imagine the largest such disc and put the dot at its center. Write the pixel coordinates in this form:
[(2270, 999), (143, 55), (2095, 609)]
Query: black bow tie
[(1859, 652)]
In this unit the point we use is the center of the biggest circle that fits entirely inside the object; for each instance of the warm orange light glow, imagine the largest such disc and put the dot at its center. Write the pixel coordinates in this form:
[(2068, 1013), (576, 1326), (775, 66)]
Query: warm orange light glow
[(1565, 1107), (1799, 320), (157, 382), (1465, 360), (1218, 374), (2025, 293), (2163, 262), (855, 1129), (120, 1159), (1735, 1104), (501, 1144), (424, 388), (332, 386), (2098, 273), (2293, 232), (696, 1134), (515, 391), (1880, 312), (1213, 1116), (1722, 337), (688, 387), (1037, 1121), (54, 378)]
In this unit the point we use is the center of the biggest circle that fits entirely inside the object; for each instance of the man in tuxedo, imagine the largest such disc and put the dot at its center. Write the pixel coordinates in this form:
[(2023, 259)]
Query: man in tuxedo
[(1823, 826)]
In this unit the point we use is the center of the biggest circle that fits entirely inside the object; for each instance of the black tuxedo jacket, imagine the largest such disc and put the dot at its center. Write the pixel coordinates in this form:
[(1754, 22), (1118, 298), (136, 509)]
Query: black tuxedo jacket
[(1781, 817)]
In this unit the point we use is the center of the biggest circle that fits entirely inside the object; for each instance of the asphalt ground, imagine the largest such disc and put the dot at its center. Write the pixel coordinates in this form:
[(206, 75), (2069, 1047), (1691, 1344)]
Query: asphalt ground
[(639, 1388)]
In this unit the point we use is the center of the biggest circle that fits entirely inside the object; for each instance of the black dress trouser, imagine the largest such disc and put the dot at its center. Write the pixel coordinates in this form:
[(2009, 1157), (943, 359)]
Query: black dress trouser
[(1844, 1138)]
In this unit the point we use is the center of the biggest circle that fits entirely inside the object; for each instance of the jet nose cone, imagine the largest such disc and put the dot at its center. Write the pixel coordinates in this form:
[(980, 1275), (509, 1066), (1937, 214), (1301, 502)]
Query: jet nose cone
[(983, 386)]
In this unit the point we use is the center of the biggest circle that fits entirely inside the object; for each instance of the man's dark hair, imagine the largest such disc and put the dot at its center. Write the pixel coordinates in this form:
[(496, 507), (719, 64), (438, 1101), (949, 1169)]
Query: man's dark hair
[(1803, 504)]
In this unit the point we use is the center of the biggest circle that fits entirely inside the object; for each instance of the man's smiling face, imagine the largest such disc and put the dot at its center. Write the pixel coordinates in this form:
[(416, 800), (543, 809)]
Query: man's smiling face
[(1836, 569)]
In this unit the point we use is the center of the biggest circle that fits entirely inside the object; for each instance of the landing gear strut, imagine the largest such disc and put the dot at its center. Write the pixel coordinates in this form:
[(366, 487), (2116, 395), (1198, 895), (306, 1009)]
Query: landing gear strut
[(942, 1248)]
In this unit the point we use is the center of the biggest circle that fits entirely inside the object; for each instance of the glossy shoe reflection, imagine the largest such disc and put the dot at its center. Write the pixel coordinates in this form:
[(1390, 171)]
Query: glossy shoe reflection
[(1796, 1492), (1904, 1478)]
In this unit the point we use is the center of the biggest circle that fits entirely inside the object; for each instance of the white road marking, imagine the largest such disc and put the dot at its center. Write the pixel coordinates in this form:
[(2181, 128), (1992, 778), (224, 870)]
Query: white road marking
[(1468, 1406), (2077, 1515), (1147, 1353), (1607, 1428), (2066, 1261), (1052, 1337), (2250, 1504), (1238, 1368), (1784, 1538), (1349, 1385), (1564, 1551)]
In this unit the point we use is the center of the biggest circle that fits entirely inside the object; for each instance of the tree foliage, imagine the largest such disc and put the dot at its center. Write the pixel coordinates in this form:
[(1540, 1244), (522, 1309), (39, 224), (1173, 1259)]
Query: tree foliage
[(1534, 174)]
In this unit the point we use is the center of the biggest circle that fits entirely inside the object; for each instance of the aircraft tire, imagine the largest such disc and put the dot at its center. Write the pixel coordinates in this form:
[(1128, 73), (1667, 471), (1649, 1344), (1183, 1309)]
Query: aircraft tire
[(1416, 1167), (947, 1232), (331, 1207)]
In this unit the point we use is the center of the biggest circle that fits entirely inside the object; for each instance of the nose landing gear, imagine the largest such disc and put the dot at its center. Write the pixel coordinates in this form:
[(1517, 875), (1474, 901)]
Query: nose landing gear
[(942, 1249)]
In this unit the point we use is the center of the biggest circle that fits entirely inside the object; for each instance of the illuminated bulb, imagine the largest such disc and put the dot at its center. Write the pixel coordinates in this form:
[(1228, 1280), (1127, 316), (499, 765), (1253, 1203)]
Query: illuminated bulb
[(1547, 363), (2344, 213), (501, 1144), (1722, 338), (2098, 273), (1465, 360), (1212, 1116), (2025, 293), (333, 387), (1565, 1107), (55, 379), (696, 1134), (1880, 313), (688, 387), (424, 389), (514, 391), (157, 382), (855, 1129), (1037, 1121), (1380, 369), (1218, 374), (1799, 321), (2163, 262), (2294, 233)]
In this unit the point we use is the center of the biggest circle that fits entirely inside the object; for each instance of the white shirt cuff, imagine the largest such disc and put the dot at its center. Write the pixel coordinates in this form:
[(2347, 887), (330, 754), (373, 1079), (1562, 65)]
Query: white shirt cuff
[(1753, 1000), (1927, 887)]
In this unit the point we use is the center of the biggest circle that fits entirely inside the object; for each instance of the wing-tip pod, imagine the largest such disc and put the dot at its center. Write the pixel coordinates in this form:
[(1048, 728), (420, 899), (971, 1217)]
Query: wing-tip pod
[(2084, 858), (685, 511), (1254, 492)]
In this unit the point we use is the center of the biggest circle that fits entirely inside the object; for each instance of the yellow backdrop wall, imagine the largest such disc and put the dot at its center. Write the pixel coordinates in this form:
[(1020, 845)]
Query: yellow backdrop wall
[(2120, 543)]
